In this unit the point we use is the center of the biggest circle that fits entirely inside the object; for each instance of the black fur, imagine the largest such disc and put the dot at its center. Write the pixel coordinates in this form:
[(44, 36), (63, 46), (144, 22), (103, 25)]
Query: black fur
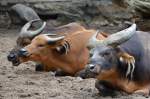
[(137, 46), (105, 88)]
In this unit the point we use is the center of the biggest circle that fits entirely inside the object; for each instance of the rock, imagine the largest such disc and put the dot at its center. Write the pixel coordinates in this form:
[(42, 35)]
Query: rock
[(79, 79), (92, 13), (144, 25), (24, 95), (142, 13), (4, 20), (141, 6), (95, 13), (21, 14)]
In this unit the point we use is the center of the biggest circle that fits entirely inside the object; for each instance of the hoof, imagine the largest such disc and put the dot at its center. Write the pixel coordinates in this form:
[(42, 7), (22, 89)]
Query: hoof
[(105, 89), (39, 67), (61, 73)]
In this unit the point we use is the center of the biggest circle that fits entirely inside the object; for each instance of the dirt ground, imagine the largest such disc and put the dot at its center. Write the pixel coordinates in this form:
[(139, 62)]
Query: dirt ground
[(23, 82)]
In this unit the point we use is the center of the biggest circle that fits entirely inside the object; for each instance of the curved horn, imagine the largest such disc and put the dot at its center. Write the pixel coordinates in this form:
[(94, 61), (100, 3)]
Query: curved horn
[(53, 40), (28, 33), (50, 34), (121, 37), (93, 41), (114, 39)]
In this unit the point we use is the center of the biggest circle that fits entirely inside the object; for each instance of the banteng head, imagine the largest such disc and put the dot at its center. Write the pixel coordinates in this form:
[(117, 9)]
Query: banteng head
[(24, 39), (105, 62), (42, 47)]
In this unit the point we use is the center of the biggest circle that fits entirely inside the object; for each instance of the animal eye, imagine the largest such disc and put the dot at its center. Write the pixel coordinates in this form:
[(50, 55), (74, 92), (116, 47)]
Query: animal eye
[(105, 54), (40, 45)]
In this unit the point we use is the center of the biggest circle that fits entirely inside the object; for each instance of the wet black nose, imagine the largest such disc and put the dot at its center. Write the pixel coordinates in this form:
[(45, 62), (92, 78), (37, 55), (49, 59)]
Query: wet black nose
[(11, 57), (23, 52)]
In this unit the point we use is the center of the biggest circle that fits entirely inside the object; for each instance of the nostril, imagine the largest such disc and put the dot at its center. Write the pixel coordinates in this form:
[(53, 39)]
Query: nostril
[(10, 57)]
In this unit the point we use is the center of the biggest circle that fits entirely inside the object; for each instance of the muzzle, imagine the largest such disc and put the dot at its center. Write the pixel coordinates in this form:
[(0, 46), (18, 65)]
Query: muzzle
[(91, 71), (12, 57)]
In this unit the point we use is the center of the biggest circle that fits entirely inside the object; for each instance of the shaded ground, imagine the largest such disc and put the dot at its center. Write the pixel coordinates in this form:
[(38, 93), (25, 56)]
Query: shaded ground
[(24, 83)]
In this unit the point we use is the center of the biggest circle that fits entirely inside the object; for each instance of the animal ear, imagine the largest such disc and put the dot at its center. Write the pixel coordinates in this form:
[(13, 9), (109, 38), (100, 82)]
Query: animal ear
[(124, 57), (60, 49), (64, 48), (128, 61)]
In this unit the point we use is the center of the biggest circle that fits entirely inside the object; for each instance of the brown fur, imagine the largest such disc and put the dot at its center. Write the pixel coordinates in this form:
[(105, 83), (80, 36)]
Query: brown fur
[(112, 76), (72, 62)]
